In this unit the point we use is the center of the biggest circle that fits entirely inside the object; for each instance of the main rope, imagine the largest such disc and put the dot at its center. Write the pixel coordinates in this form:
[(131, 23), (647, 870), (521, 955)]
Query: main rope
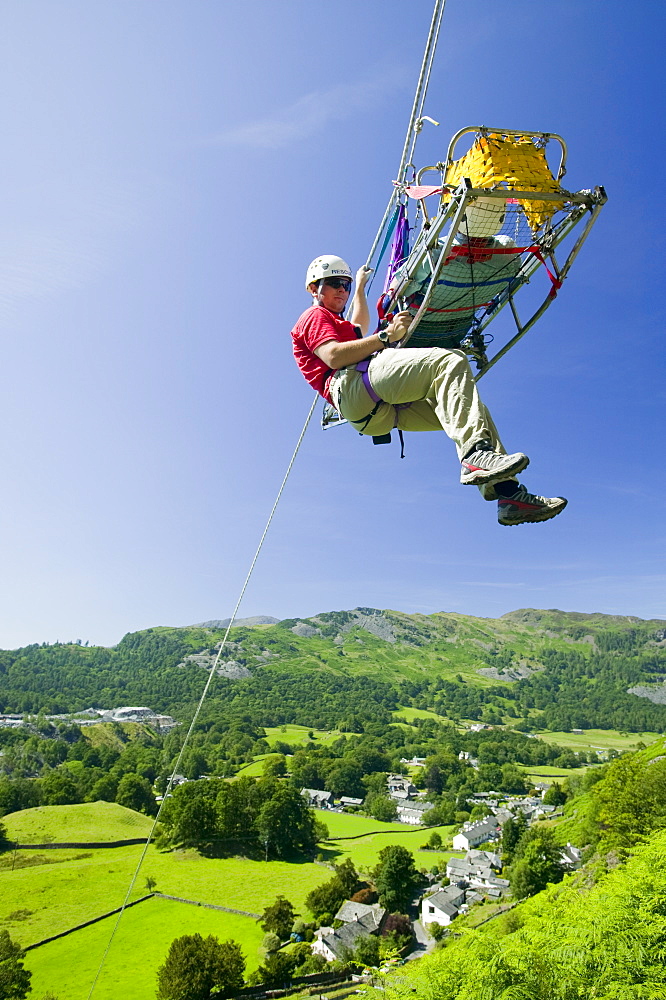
[(204, 693), (414, 126)]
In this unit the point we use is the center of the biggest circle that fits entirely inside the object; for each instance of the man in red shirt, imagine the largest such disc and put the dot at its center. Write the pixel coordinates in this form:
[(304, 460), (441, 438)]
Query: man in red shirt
[(376, 387)]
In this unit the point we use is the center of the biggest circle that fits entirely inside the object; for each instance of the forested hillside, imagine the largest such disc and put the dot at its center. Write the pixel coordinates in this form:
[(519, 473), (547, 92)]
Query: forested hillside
[(547, 668)]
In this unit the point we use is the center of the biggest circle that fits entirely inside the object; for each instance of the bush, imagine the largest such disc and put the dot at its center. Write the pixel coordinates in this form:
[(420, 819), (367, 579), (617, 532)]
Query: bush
[(271, 942), (367, 896), (436, 930)]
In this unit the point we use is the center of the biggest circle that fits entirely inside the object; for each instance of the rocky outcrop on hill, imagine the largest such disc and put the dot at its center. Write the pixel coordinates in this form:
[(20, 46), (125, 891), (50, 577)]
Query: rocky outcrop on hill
[(248, 622)]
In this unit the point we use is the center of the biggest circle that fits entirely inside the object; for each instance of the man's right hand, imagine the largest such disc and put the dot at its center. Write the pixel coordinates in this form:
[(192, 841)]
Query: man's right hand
[(398, 326)]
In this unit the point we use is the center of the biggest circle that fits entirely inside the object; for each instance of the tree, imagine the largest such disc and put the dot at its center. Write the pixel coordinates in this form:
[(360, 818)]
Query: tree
[(344, 778), (366, 951), (381, 807), (14, 978), (435, 841), (199, 968), (150, 883), (400, 925), (275, 765), (555, 796), (135, 793), (396, 877), (326, 899), (277, 970), (537, 862), (285, 823), (279, 918), (348, 876), (512, 831), (105, 789), (271, 942), (59, 788), (513, 781)]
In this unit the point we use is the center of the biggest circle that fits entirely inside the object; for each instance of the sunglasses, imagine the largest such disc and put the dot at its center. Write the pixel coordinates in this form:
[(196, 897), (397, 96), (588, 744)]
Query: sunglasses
[(338, 283)]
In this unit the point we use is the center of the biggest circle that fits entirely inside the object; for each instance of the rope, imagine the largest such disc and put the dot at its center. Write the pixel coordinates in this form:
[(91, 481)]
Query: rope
[(205, 692), (413, 127)]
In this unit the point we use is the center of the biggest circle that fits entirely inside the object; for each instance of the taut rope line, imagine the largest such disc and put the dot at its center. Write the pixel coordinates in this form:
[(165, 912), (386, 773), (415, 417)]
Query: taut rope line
[(413, 128), (205, 692)]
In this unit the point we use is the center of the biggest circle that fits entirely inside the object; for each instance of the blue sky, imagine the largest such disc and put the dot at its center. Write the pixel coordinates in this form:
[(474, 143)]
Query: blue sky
[(169, 170)]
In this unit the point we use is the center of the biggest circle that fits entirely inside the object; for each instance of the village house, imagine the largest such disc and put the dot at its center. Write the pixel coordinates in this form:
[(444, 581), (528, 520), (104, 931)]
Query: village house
[(501, 815), (371, 915), (334, 944), (487, 859), (413, 812), (347, 802), (442, 907), (479, 871), (318, 799), (359, 921), (571, 856), (473, 834), (400, 787)]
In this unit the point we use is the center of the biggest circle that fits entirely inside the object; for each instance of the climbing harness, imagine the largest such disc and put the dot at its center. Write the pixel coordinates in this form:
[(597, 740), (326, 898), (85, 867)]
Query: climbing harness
[(363, 422)]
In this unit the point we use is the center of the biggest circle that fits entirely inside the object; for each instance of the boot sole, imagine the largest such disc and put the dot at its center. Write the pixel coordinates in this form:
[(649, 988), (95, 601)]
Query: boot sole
[(536, 518), (483, 478)]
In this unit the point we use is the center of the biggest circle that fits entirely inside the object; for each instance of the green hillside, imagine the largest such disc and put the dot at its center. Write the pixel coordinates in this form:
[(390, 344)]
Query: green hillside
[(574, 941), (567, 669), (87, 821)]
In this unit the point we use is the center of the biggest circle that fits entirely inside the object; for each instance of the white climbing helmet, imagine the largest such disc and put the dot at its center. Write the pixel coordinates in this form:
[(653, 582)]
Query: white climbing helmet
[(327, 266), (483, 217)]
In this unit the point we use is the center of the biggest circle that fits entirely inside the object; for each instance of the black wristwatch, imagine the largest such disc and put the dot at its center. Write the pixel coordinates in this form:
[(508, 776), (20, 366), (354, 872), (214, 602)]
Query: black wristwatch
[(384, 336)]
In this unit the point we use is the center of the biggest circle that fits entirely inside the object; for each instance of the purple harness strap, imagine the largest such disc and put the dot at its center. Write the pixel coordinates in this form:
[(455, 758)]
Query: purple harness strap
[(362, 367)]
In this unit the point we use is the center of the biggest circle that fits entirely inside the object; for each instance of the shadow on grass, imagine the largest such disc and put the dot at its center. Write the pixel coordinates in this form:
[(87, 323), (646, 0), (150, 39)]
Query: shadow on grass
[(252, 851)]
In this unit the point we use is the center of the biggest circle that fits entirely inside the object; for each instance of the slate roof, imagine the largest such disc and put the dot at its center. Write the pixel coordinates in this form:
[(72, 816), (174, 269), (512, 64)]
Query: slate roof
[(370, 916), (345, 938)]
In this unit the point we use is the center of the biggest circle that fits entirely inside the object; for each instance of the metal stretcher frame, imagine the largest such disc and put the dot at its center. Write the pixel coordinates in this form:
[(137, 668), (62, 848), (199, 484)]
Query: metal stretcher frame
[(426, 243)]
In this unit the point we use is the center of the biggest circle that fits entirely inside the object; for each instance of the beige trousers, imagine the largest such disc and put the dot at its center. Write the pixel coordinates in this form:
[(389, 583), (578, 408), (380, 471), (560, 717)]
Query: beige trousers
[(440, 387)]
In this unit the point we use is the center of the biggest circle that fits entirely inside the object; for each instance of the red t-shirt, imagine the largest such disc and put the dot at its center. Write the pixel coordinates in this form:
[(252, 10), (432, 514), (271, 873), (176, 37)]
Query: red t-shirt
[(314, 328)]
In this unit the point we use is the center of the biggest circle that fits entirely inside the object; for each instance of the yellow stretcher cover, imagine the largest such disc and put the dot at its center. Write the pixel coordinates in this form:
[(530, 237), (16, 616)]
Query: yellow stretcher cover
[(513, 161)]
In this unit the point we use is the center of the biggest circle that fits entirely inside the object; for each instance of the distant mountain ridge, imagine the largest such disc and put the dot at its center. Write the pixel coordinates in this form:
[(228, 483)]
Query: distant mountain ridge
[(591, 666)]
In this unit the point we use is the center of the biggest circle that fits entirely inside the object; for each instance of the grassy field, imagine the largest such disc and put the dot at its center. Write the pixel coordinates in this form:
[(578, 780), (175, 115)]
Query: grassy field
[(54, 897), (417, 713), (89, 821), (556, 773), (373, 836), (255, 768), (67, 967), (300, 734), (599, 739)]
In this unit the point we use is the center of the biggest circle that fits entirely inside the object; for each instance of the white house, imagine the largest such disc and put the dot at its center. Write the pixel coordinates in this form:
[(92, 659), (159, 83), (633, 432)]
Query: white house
[(413, 812), (473, 834), (442, 907)]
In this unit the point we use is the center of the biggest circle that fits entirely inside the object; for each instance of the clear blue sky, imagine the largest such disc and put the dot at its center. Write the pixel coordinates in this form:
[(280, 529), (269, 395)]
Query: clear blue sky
[(170, 168)]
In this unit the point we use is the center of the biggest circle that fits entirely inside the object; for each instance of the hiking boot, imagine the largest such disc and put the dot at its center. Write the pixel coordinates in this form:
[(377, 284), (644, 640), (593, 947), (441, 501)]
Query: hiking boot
[(487, 466), (525, 508)]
